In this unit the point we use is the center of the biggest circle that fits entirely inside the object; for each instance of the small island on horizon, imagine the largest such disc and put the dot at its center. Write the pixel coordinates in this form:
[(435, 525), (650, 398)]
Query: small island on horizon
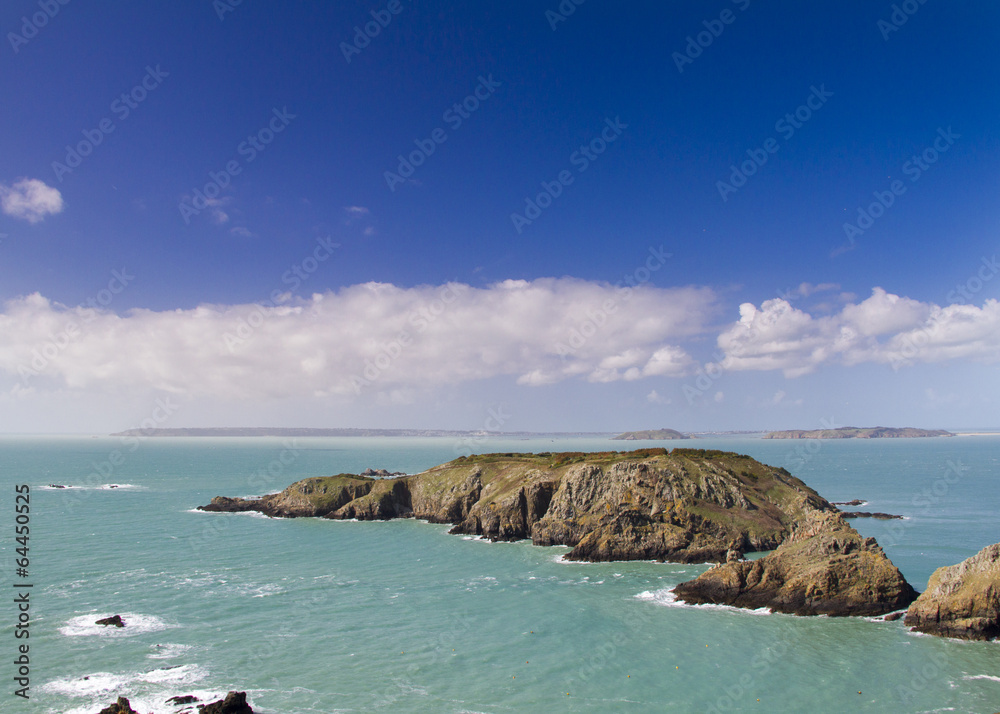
[(853, 432), (650, 435)]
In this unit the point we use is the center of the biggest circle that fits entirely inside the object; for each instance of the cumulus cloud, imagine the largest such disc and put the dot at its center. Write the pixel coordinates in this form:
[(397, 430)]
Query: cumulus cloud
[(30, 200), (885, 328), (375, 336)]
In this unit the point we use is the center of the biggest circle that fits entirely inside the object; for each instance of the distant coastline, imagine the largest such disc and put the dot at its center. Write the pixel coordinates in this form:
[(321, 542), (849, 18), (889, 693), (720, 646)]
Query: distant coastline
[(851, 432), (303, 432)]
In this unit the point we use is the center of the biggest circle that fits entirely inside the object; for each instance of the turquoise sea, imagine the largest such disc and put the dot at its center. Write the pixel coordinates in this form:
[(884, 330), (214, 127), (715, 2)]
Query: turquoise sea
[(323, 616)]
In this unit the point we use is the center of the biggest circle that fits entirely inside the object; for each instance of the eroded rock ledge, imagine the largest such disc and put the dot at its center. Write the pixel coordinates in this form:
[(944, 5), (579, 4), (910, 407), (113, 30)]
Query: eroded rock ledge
[(961, 600), (824, 568), (688, 505)]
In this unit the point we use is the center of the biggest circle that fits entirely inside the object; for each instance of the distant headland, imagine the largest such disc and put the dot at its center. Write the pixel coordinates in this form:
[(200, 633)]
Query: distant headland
[(852, 432)]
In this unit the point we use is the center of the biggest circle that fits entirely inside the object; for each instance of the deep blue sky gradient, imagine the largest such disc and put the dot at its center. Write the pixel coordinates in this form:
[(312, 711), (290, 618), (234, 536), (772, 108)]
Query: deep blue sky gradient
[(656, 185)]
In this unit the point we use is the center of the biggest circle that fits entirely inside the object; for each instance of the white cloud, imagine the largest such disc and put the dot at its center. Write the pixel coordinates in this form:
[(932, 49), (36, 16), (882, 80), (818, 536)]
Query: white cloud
[(241, 231), (885, 328), (398, 339), (30, 200), (654, 397)]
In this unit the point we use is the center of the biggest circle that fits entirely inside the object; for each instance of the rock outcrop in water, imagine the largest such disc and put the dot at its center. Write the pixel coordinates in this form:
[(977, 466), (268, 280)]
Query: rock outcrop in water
[(688, 505), (961, 600), (824, 568), (113, 621), (122, 706), (234, 703)]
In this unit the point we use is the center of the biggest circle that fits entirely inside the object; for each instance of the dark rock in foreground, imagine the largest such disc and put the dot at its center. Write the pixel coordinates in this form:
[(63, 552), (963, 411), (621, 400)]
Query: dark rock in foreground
[(122, 706), (824, 568), (961, 600), (113, 621), (689, 505), (234, 703)]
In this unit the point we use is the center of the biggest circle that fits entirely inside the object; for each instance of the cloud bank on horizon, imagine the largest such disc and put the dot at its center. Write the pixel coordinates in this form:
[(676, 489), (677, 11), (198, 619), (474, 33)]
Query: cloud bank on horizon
[(383, 339)]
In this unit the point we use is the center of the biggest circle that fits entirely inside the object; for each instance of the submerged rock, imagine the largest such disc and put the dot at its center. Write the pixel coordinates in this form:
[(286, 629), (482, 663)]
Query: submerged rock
[(961, 600), (113, 621), (183, 699), (824, 568)]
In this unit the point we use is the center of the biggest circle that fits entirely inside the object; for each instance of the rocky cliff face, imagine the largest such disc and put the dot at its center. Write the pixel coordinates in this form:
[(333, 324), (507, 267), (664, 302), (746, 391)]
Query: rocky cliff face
[(824, 568), (686, 506), (961, 600)]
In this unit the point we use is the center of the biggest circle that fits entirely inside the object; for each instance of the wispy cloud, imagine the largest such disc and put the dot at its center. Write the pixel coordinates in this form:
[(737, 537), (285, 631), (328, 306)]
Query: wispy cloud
[(30, 200)]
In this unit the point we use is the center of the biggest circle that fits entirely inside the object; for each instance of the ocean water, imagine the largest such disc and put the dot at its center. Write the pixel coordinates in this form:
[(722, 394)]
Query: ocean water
[(323, 616)]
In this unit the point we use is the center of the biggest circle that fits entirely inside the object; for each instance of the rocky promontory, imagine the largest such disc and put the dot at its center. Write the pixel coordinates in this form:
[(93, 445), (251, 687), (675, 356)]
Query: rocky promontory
[(688, 505), (824, 568), (961, 600)]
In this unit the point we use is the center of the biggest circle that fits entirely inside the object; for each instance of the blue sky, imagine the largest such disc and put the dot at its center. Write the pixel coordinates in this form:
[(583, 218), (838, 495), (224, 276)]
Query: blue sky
[(752, 305)]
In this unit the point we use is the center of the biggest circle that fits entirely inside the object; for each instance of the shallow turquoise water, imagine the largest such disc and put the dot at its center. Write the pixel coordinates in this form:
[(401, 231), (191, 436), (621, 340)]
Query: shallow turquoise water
[(323, 616)]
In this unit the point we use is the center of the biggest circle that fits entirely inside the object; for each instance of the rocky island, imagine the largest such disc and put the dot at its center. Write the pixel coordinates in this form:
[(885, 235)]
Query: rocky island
[(651, 435), (852, 432), (686, 505), (689, 505)]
